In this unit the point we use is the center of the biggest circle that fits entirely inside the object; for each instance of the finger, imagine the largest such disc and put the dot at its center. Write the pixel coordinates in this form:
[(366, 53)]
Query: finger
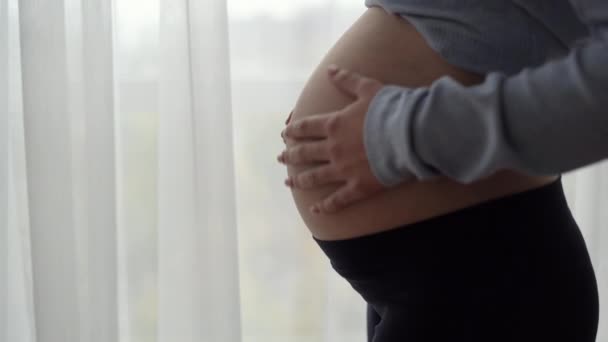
[(309, 127), (317, 176), (347, 81), (339, 200), (304, 153), (283, 136), (288, 118)]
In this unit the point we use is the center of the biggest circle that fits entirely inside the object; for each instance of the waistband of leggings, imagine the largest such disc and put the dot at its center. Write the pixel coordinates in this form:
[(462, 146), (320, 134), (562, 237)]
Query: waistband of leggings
[(531, 207)]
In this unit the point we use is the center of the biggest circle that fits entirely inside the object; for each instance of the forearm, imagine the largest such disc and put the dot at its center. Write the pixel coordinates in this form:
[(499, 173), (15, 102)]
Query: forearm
[(545, 120)]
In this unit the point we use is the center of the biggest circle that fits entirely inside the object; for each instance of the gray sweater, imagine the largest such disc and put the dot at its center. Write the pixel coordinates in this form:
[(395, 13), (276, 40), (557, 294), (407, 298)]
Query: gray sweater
[(542, 109)]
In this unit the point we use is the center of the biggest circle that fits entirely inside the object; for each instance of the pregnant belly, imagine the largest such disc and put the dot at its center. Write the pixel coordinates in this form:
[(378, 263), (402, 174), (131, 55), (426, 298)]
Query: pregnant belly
[(386, 47)]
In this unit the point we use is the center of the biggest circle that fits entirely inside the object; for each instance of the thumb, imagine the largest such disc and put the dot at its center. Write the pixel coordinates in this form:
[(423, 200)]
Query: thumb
[(348, 81)]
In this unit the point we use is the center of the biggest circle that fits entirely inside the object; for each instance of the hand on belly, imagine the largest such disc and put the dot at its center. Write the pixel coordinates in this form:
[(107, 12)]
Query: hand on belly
[(387, 50), (339, 143)]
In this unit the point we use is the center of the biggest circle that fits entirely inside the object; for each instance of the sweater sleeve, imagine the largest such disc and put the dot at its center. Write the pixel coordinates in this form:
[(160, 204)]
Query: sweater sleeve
[(544, 120)]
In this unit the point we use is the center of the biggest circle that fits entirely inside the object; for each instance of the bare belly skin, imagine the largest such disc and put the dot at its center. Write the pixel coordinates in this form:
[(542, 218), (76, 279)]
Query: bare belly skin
[(388, 48)]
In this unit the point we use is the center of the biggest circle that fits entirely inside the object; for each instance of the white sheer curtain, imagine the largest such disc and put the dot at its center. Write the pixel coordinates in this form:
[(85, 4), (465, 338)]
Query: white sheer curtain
[(587, 193), (3, 167), (140, 196), (197, 247)]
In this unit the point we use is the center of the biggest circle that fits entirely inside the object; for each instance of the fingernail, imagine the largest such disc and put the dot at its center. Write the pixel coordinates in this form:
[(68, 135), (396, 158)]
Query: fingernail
[(289, 117), (332, 68)]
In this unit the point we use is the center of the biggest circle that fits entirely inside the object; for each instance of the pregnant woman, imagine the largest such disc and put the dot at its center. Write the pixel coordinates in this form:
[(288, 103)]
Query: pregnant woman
[(500, 259)]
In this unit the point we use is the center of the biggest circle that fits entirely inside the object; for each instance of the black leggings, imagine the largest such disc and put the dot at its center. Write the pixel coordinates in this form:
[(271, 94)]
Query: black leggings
[(509, 269)]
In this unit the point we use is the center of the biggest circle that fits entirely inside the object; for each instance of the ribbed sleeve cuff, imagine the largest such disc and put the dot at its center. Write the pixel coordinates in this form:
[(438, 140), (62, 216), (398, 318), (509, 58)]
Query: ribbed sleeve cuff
[(388, 136)]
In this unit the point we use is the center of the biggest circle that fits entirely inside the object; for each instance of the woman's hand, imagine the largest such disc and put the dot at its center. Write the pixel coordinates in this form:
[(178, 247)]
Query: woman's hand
[(341, 145)]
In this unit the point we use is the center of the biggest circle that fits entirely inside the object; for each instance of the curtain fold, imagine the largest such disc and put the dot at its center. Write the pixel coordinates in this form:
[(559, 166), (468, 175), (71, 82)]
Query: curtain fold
[(48, 157), (198, 272), (20, 323), (4, 166), (68, 127), (96, 167)]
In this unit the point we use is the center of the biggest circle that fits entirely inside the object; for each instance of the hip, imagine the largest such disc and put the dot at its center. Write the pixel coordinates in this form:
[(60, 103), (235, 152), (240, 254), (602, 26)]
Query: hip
[(517, 265)]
